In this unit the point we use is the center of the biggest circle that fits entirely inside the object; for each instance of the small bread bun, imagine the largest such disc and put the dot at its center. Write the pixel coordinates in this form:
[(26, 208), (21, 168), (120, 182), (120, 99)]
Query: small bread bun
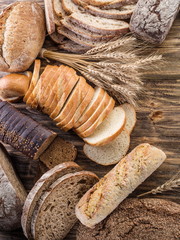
[(14, 86)]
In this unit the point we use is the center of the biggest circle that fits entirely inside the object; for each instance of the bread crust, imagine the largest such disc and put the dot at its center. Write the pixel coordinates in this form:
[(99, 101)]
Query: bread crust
[(111, 190)]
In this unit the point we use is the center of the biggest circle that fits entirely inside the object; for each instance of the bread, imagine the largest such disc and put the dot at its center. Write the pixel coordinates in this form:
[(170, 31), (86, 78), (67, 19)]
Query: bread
[(59, 151), (116, 185), (100, 25), (106, 4), (123, 12), (13, 86), (21, 36), (143, 219), (114, 151), (54, 215), (96, 100), (73, 47), (57, 5), (109, 129), (107, 110), (49, 13), (57, 38), (72, 103), (23, 134), (81, 108), (110, 153), (69, 7), (12, 194), (41, 186), (159, 17), (34, 79)]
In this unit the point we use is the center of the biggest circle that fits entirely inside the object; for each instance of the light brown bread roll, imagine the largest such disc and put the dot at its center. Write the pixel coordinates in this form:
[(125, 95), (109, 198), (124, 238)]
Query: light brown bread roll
[(21, 36)]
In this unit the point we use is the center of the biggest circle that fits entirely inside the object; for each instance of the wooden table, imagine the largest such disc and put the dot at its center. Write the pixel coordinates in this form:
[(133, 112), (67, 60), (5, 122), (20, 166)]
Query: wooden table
[(158, 123)]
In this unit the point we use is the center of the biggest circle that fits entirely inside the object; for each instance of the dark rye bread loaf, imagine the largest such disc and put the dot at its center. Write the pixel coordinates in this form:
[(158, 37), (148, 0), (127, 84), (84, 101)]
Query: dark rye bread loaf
[(12, 194), (137, 219), (152, 19), (59, 151), (22, 132)]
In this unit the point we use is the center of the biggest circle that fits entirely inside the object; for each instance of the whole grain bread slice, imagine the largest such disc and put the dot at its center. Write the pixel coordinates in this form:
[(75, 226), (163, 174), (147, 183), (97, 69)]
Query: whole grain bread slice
[(99, 25), (85, 102), (41, 186), (71, 46), (55, 212), (116, 185), (59, 151), (12, 194), (109, 129), (106, 4)]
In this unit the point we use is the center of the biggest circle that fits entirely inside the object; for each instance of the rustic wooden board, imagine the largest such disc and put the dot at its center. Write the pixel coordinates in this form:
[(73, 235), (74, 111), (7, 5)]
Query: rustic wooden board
[(158, 124)]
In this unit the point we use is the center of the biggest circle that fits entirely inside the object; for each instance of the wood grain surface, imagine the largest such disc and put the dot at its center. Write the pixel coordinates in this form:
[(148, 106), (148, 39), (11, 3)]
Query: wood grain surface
[(158, 124)]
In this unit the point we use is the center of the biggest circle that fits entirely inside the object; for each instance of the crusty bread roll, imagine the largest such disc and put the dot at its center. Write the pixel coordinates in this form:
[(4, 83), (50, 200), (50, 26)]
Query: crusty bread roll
[(115, 186), (21, 36), (13, 87)]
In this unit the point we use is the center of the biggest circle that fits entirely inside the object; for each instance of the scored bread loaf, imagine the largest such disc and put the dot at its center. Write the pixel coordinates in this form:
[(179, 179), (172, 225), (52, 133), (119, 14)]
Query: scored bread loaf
[(12, 194), (54, 215), (111, 190), (58, 152), (41, 186), (109, 129), (23, 134), (21, 36)]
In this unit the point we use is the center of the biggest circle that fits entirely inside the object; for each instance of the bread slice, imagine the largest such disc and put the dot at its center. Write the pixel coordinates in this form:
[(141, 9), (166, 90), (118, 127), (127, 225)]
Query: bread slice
[(123, 12), (96, 100), (57, 4), (41, 186), (116, 185), (104, 3), (114, 151), (136, 218), (84, 32), (57, 38), (100, 25), (110, 153), (109, 129), (69, 7), (55, 212), (71, 83), (85, 102), (72, 103), (81, 93), (59, 151), (49, 13), (71, 46), (99, 120), (78, 38), (102, 105), (12, 194), (34, 79)]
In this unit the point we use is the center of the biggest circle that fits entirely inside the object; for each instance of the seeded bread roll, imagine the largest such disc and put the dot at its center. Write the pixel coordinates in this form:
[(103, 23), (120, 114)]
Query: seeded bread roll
[(12, 194), (115, 186), (21, 36), (24, 134)]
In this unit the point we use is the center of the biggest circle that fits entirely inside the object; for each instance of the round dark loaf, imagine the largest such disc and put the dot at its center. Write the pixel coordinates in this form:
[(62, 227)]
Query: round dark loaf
[(21, 36), (135, 219)]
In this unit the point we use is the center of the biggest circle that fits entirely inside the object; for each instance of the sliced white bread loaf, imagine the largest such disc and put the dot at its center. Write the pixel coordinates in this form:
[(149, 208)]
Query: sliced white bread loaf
[(114, 151), (96, 100), (115, 186), (41, 186), (109, 129), (12, 194), (55, 212), (71, 46), (123, 12), (100, 25), (110, 153)]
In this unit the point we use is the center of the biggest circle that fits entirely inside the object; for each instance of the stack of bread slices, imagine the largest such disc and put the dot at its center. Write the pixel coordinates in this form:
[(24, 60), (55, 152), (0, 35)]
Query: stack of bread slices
[(78, 25)]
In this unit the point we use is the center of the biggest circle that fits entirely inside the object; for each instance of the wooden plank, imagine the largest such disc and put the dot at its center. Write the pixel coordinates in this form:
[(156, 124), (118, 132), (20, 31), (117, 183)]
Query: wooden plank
[(158, 124)]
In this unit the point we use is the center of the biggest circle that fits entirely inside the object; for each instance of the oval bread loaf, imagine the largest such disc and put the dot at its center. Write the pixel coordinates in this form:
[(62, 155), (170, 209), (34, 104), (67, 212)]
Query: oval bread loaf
[(21, 36), (123, 179)]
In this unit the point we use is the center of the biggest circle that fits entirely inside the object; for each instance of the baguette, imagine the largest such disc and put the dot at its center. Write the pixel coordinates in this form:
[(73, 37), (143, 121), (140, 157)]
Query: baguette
[(21, 36), (13, 86), (20, 134), (12, 194), (112, 189)]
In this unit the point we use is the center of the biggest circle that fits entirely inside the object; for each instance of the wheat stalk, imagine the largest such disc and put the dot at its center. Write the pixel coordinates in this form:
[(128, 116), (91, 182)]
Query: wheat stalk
[(171, 184), (114, 66)]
